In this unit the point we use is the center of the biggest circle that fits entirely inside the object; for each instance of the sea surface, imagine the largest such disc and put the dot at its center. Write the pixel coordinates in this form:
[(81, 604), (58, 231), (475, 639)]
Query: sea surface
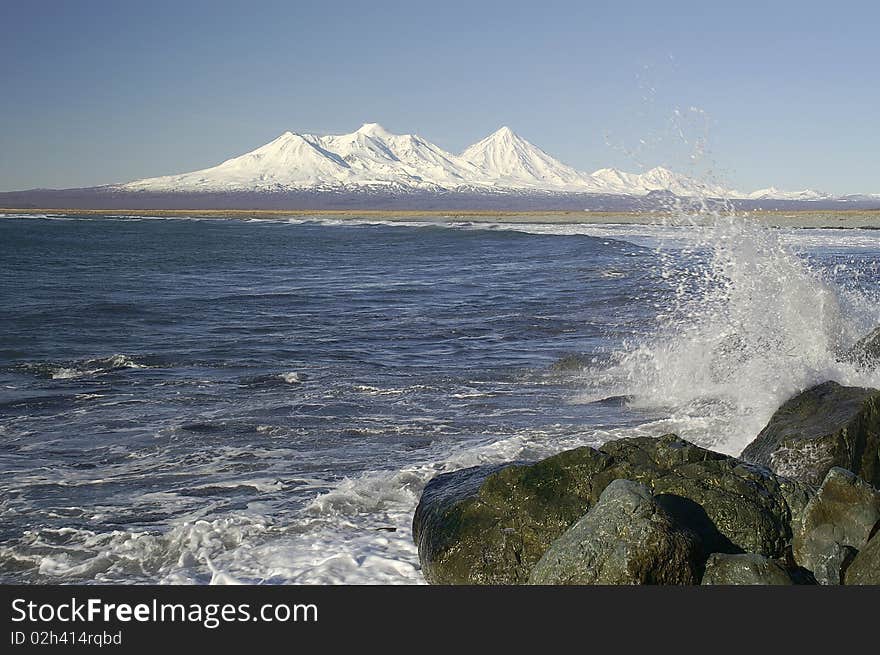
[(190, 400)]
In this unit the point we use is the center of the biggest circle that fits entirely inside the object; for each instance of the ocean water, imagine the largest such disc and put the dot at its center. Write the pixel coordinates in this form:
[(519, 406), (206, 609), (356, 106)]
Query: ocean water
[(262, 401)]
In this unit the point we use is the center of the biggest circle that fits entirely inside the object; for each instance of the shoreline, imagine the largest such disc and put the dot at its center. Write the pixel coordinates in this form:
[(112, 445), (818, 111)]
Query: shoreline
[(806, 219)]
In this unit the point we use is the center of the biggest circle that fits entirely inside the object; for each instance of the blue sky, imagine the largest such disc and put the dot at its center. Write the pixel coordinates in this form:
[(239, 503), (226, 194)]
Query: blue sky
[(782, 93)]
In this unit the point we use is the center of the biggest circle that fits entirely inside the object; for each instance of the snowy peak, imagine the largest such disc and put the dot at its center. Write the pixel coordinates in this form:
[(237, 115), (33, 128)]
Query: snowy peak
[(662, 179), (506, 159), (772, 193), (373, 129), (290, 150), (381, 157), (290, 161), (611, 180), (374, 158)]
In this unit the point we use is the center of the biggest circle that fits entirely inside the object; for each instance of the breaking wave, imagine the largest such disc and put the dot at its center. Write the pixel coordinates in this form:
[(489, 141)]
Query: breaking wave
[(86, 367), (748, 324)]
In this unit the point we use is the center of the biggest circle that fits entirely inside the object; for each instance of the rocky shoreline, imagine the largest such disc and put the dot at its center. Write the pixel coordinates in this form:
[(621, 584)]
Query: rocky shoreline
[(801, 505)]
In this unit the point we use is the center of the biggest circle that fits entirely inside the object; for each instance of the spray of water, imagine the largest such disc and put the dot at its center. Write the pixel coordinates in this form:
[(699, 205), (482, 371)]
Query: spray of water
[(750, 324)]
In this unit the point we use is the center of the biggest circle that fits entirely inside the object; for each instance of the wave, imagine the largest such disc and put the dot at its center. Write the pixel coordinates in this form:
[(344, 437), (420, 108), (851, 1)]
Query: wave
[(50, 217), (357, 531), (750, 323), (85, 367), (292, 378), (184, 554)]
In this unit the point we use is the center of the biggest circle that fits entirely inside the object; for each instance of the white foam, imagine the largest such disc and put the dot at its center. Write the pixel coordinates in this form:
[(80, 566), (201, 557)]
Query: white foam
[(64, 373), (186, 553), (95, 366), (745, 332)]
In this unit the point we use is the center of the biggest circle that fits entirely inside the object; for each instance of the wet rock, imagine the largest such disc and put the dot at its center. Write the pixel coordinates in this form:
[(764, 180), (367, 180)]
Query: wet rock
[(865, 567), (734, 507), (492, 525), (571, 363), (744, 569), (836, 525), (627, 538), (826, 426)]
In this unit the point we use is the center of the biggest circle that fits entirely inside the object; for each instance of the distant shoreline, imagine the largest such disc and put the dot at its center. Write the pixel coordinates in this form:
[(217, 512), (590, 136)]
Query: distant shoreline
[(815, 219)]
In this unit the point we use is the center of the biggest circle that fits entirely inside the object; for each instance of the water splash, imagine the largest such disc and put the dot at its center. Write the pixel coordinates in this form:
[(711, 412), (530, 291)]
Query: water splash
[(750, 323)]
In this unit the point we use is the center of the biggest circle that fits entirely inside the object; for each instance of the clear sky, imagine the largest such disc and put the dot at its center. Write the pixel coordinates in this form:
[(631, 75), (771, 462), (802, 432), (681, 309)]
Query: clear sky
[(784, 93)]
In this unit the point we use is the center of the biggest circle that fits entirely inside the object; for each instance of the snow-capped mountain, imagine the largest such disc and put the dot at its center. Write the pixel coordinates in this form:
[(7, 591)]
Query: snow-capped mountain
[(370, 157), (290, 161), (505, 159), (611, 180), (772, 193), (375, 159)]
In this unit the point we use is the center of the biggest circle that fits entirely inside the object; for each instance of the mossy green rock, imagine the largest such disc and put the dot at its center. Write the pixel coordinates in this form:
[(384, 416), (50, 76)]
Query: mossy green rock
[(836, 525), (734, 507), (823, 427), (489, 525), (744, 569), (627, 538), (865, 568), (492, 525)]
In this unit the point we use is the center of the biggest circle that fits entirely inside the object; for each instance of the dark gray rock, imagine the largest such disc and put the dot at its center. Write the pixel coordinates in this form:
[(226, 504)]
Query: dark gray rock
[(826, 426), (491, 526), (865, 567), (744, 569), (627, 538), (836, 524)]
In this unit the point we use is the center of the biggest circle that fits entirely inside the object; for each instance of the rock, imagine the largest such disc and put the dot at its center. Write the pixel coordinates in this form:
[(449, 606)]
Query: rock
[(571, 363), (836, 524), (732, 506), (826, 426), (865, 568), (866, 351), (627, 538), (744, 569), (492, 525)]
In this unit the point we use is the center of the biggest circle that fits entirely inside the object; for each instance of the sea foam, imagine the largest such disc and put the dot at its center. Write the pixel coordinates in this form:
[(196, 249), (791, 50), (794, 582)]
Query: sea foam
[(749, 324)]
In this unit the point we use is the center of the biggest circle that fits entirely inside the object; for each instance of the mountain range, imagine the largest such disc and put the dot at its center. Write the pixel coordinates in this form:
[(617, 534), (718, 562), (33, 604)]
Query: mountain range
[(376, 160)]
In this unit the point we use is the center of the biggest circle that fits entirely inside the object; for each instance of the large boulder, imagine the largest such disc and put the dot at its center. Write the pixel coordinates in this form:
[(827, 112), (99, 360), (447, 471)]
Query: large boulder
[(492, 525), (489, 525), (865, 568), (744, 569), (826, 426), (836, 525), (627, 538)]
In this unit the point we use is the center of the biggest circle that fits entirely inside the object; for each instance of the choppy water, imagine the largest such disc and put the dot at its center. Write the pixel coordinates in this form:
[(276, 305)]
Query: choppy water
[(191, 400)]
